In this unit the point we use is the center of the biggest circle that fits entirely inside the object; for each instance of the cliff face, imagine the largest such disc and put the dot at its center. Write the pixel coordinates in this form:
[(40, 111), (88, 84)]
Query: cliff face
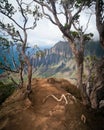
[(58, 61), (59, 52)]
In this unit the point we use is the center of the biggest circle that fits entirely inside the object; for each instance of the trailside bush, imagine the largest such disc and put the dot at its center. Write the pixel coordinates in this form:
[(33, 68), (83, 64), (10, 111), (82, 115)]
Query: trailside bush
[(5, 91)]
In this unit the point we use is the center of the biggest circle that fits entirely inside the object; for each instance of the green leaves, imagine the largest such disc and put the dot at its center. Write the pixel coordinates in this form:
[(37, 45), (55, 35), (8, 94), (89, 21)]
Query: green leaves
[(4, 43), (36, 12), (88, 36), (87, 3), (78, 3), (74, 34), (5, 91), (6, 8), (9, 28)]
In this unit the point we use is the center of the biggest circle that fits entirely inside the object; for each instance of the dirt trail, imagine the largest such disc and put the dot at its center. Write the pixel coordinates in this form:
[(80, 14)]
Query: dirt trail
[(44, 109)]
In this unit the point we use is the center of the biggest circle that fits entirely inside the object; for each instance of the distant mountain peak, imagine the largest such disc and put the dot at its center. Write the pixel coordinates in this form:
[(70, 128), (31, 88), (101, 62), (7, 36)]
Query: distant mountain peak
[(60, 51)]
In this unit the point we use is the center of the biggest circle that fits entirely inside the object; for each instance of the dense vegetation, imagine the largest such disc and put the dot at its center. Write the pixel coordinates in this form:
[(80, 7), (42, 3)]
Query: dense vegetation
[(5, 91)]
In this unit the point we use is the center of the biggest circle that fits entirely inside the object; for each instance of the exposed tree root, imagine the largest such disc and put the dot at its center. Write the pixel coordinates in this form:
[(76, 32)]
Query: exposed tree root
[(63, 96), (26, 93)]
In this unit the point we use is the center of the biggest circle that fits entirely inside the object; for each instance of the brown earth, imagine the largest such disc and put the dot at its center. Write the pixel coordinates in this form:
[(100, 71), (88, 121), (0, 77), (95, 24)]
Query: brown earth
[(44, 110)]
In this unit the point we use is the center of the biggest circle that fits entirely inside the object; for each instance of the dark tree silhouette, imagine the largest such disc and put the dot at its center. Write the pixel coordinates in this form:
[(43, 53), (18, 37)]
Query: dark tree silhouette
[(100, 19)]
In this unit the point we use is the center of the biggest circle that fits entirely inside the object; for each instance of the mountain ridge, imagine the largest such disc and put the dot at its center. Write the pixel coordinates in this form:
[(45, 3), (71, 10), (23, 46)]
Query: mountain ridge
[(60, 51), (58, 55), (59, 60)]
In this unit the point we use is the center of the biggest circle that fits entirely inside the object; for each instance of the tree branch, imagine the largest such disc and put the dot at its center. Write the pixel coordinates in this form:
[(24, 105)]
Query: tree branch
[(87, 23), (48, 16), (76, 14), (22, 12), (4, 67), (32, 27), (43, 4)]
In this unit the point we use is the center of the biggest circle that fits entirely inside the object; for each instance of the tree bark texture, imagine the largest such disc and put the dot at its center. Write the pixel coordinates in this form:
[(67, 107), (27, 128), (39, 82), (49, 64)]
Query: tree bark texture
[(79, 58), (21, 75), (100, 20), (27, 62), (81, 86)]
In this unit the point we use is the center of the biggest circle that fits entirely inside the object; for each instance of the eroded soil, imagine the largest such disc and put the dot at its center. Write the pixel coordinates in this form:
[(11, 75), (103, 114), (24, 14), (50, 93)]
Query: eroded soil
[(44, 109)]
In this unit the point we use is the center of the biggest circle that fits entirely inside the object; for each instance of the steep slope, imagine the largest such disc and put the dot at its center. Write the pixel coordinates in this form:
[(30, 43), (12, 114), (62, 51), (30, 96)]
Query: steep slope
[(44, 109), (56, 61)]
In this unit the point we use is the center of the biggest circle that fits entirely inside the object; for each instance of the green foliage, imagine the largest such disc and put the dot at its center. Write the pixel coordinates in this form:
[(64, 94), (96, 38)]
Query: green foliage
[(26, 10), (88, 37), (77, 17), (66, 26), (5, 91), (36, 12), (74, 34), (67, 2), (76, 3), (87, 3), (4, 43), (6, 8), (90, 60)]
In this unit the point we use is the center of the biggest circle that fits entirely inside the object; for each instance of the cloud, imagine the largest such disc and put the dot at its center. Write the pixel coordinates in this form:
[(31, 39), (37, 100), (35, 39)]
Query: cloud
[(92, 23), (45, 33)]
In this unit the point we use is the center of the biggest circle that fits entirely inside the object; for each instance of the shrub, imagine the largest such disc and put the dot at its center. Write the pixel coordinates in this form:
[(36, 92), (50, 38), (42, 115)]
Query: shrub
[(5, 91)]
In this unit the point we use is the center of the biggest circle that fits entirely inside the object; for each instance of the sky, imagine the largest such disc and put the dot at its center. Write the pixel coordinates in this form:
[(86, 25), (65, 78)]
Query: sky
[(47, 34)]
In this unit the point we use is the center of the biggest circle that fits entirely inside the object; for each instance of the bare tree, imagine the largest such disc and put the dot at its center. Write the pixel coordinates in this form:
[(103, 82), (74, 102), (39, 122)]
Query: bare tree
[(70, 11), (19, 30)]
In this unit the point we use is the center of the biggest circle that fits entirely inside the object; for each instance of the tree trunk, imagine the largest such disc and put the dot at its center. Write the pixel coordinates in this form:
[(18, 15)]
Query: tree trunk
[(79, 61), (100, 20), (21, 75), (27, 62), (29, 75), (29, 67), (79, 55), (81, 86)]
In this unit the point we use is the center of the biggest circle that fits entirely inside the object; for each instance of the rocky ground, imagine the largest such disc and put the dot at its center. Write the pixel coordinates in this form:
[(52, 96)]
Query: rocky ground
[(53, 105)]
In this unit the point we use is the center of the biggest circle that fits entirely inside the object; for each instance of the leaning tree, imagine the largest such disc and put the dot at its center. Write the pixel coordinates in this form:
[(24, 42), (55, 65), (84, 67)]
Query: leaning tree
[(15, 21), (65, 14)]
